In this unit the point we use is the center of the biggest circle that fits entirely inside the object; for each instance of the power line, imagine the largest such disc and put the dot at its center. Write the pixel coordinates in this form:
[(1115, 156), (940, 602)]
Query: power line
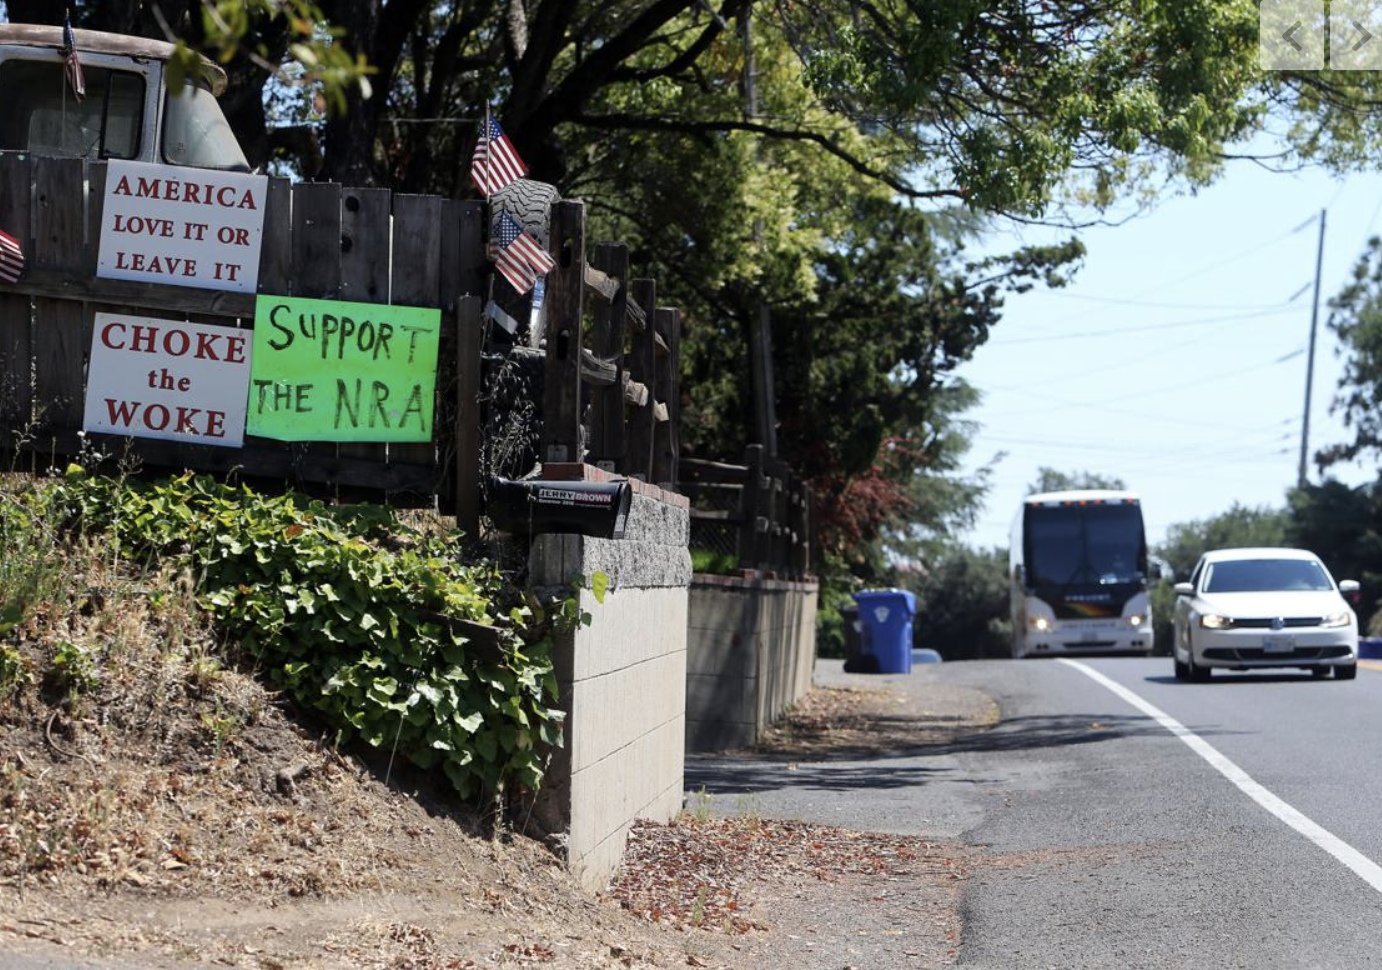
[(1118, 332), (1110, 404), (1193, 274), (1125, 301)]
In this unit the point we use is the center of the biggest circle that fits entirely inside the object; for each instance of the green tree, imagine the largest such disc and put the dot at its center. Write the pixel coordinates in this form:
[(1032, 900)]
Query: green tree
[(1241, 526), (962, 603), (1356, 318), (1343, 526), (1054, 480)]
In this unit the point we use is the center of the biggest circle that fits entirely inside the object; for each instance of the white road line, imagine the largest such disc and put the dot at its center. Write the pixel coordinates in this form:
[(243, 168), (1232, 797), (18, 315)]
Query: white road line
[(1367, 870)]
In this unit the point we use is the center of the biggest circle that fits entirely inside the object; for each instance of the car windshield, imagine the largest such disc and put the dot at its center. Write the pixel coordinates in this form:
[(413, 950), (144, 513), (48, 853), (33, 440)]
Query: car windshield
[(1266, 576), (41, 114)]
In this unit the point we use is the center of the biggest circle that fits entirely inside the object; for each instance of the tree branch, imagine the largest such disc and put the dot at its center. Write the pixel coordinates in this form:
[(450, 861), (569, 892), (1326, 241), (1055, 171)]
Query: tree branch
[(687, 57), (639, 123)]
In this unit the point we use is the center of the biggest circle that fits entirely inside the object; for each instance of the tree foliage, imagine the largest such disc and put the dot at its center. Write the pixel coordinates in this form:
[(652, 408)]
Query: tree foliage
[(1055, 480), (1356, 319), (962, 604), (1240, 526), (1343, 526)]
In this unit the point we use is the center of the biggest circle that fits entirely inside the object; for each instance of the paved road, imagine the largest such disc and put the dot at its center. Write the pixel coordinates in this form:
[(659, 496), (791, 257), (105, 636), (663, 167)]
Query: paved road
[(1102, 840)]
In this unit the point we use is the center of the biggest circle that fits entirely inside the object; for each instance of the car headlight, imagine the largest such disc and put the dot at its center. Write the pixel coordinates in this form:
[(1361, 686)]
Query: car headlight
[(1039, 622), (1337, 620), (1213, 621), (1137, 619)]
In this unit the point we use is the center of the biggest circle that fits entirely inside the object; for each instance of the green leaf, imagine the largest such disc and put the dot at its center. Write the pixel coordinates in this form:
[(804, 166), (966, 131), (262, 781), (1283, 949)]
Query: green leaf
[(599, 584)]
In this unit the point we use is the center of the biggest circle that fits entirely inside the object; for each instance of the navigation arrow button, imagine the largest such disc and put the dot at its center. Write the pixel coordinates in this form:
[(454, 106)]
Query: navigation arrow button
[(1288, 35), (1366, 36)]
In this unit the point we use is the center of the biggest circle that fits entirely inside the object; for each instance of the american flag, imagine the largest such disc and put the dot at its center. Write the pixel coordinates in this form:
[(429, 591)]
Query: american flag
[(495, 164), (11, 259), (518, 256), (71, 63)]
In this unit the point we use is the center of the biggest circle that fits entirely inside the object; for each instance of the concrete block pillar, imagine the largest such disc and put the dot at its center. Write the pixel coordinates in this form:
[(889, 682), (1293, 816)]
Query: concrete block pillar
[(623, 682)]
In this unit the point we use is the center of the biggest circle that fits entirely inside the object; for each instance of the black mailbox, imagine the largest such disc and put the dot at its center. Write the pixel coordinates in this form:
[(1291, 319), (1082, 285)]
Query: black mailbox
[(599, 509)]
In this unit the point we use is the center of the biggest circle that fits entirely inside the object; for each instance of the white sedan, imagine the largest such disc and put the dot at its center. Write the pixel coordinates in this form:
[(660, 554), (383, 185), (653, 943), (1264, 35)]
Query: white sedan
[(1251, 608)]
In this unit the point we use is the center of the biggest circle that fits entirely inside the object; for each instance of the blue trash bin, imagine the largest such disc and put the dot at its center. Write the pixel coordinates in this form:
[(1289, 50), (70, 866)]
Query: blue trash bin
[(886, 618)]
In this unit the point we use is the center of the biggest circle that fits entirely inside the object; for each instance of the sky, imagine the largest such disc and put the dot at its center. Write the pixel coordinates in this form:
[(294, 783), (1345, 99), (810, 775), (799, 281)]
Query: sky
[(1175, 360)]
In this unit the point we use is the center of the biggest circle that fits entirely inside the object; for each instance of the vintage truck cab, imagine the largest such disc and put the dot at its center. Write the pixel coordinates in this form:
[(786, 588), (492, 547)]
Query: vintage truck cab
[(128, 112)]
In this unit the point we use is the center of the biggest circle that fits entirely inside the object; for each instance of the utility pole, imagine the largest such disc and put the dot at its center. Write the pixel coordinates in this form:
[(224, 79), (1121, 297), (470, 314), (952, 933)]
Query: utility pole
[(760, 326), (1310, 360)]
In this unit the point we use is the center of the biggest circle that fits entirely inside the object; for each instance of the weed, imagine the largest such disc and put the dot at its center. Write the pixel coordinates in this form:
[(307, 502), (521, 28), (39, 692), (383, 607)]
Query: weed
[(749, 807), (222, 727), (701, 802), (698, 906), (16, 671), (74, 670)]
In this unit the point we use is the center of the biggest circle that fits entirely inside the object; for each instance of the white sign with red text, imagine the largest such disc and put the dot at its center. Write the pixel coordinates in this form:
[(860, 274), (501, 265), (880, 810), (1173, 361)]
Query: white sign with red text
[(168, 379), (182, 226)]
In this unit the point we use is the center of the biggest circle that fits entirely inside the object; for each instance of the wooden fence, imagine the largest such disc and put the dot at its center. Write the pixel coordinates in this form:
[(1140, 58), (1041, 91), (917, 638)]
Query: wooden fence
[(368, 245), (760, 506)]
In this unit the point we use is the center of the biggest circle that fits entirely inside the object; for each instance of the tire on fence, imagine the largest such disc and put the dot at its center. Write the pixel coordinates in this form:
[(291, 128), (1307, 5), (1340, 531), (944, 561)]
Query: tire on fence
[(531, 204)]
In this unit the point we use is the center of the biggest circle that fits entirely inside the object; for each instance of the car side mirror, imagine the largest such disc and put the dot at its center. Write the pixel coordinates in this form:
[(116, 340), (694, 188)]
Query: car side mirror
[(1185, 589), (1348, 586)]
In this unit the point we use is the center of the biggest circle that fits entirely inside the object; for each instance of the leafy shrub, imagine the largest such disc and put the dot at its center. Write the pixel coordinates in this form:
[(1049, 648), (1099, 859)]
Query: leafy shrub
[(74, 669), (30, 567), (356, 617)]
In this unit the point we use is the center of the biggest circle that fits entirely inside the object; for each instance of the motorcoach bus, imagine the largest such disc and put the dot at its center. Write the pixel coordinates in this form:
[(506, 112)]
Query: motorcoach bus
[(1078, 572)]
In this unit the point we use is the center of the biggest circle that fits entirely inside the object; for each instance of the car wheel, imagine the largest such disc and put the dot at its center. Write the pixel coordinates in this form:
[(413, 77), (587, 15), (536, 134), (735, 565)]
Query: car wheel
[(1182, 671), (1346, 672), (1320, 673), (1194, 671)]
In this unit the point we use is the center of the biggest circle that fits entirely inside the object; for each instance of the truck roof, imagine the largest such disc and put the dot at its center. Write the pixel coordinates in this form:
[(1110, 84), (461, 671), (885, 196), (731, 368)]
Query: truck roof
[(1081, 495), (101, 42)]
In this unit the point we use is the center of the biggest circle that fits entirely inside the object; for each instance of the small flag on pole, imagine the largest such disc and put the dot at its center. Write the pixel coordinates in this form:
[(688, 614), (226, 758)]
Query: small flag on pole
[(495, 164), (71, 63), (11, 259), (519, 257)]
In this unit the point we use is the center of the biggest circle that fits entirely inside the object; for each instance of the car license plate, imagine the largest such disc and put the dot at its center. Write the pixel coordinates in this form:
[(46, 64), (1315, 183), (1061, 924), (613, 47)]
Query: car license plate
[(1278, 644)]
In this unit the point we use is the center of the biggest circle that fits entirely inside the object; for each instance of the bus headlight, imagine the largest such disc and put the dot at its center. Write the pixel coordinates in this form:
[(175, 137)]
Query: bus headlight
[(1136, 620), (1213, 621), (1039, 623)]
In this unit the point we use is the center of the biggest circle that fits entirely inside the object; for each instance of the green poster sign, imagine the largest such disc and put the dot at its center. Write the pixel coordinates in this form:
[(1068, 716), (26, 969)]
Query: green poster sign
[(324, 370)]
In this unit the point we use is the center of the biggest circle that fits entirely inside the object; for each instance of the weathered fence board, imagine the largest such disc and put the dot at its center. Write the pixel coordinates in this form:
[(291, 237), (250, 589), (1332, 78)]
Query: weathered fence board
[(16, 348), (642, 364), (366, 219), (416, 282), (608, 438), (469, 347), (561, 411)]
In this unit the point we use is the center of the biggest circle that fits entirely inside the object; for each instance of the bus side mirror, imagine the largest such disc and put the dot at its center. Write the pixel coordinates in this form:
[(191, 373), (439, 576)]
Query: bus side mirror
[(1185, 589), (1020, 575), (1164, 571)]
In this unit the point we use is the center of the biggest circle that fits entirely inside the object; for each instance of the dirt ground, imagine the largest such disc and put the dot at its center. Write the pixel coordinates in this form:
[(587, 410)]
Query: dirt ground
[(176, 821)]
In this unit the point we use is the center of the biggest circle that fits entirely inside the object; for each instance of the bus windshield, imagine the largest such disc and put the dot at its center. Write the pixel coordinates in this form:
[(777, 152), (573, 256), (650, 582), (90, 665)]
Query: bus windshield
[(1084, 545)]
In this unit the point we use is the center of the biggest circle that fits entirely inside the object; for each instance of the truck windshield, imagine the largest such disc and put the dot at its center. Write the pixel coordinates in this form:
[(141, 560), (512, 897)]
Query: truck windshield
[(1084, 544), (41, 115), (196, 133)]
